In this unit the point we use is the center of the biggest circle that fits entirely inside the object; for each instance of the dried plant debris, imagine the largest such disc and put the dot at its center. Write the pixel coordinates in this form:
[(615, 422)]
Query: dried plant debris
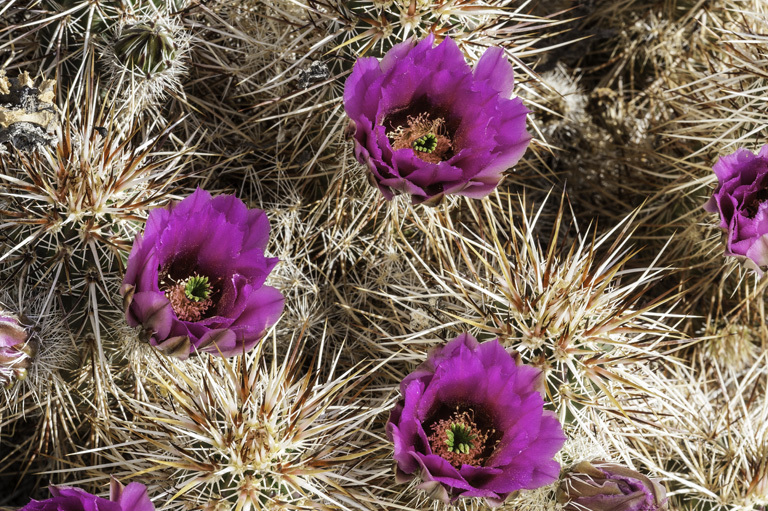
[(28, 116), (315, 72)]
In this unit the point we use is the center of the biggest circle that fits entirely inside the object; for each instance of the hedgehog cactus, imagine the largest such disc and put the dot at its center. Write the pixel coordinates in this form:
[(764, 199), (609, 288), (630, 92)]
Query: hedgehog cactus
[(609, 324)]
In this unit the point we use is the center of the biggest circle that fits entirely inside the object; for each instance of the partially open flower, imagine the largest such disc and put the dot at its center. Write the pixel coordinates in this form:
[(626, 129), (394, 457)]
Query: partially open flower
[(17, 349), (129, 498), (471, 423), (195, 279), (427, 124), (603, 486), (741, 198)]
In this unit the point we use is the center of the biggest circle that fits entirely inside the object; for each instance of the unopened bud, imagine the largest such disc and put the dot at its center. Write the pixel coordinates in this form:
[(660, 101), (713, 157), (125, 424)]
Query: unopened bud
[(17, 350), (603, 486)]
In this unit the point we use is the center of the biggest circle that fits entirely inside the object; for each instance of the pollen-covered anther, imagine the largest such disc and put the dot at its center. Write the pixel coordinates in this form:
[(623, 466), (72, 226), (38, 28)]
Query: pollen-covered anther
[(459, 440), (190, 298), (427, 137)]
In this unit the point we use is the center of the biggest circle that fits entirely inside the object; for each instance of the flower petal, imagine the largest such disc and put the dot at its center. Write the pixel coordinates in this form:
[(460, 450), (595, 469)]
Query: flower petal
[(495, 71), (152, 311), (134, 498)]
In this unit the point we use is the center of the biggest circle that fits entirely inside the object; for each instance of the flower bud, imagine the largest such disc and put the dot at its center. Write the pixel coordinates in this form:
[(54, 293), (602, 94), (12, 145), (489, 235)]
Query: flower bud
[(17, 350), (603, 486)]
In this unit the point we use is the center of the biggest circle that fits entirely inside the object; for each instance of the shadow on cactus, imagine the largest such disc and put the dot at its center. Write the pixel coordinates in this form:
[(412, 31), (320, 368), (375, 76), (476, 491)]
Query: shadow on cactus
[(63, 34)]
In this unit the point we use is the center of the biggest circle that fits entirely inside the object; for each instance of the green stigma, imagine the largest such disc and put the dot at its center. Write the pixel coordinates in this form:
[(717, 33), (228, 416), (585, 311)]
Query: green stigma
[(425, 144), (198, 288), (459, 438)]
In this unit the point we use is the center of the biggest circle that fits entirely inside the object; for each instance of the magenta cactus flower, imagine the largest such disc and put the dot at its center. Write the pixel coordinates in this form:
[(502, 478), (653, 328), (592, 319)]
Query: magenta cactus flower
[(17, 349), (426, 124), (195, 279), (741, 199), (471, 423), (129, 498)]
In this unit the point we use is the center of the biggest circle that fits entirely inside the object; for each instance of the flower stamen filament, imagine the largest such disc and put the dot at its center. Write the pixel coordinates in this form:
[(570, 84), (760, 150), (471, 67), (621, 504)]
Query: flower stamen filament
[(427, 137)]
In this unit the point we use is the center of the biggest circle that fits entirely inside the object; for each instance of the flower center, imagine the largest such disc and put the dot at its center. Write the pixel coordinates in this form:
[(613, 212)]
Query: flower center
[(190, 298), (459, 440), (426, 136), (425, 144), (197, 288), (753, 205)]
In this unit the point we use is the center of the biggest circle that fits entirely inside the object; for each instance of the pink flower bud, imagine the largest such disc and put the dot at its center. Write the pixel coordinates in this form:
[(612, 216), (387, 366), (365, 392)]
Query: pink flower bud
[(17, 350), (603, 486)]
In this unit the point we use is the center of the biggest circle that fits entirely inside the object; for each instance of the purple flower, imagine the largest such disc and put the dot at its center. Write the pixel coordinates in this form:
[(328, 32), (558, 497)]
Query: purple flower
[(130, 498), (741, 198), (603, 486), (17, 349), (426, 124), (195, 279), (471, 423)]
